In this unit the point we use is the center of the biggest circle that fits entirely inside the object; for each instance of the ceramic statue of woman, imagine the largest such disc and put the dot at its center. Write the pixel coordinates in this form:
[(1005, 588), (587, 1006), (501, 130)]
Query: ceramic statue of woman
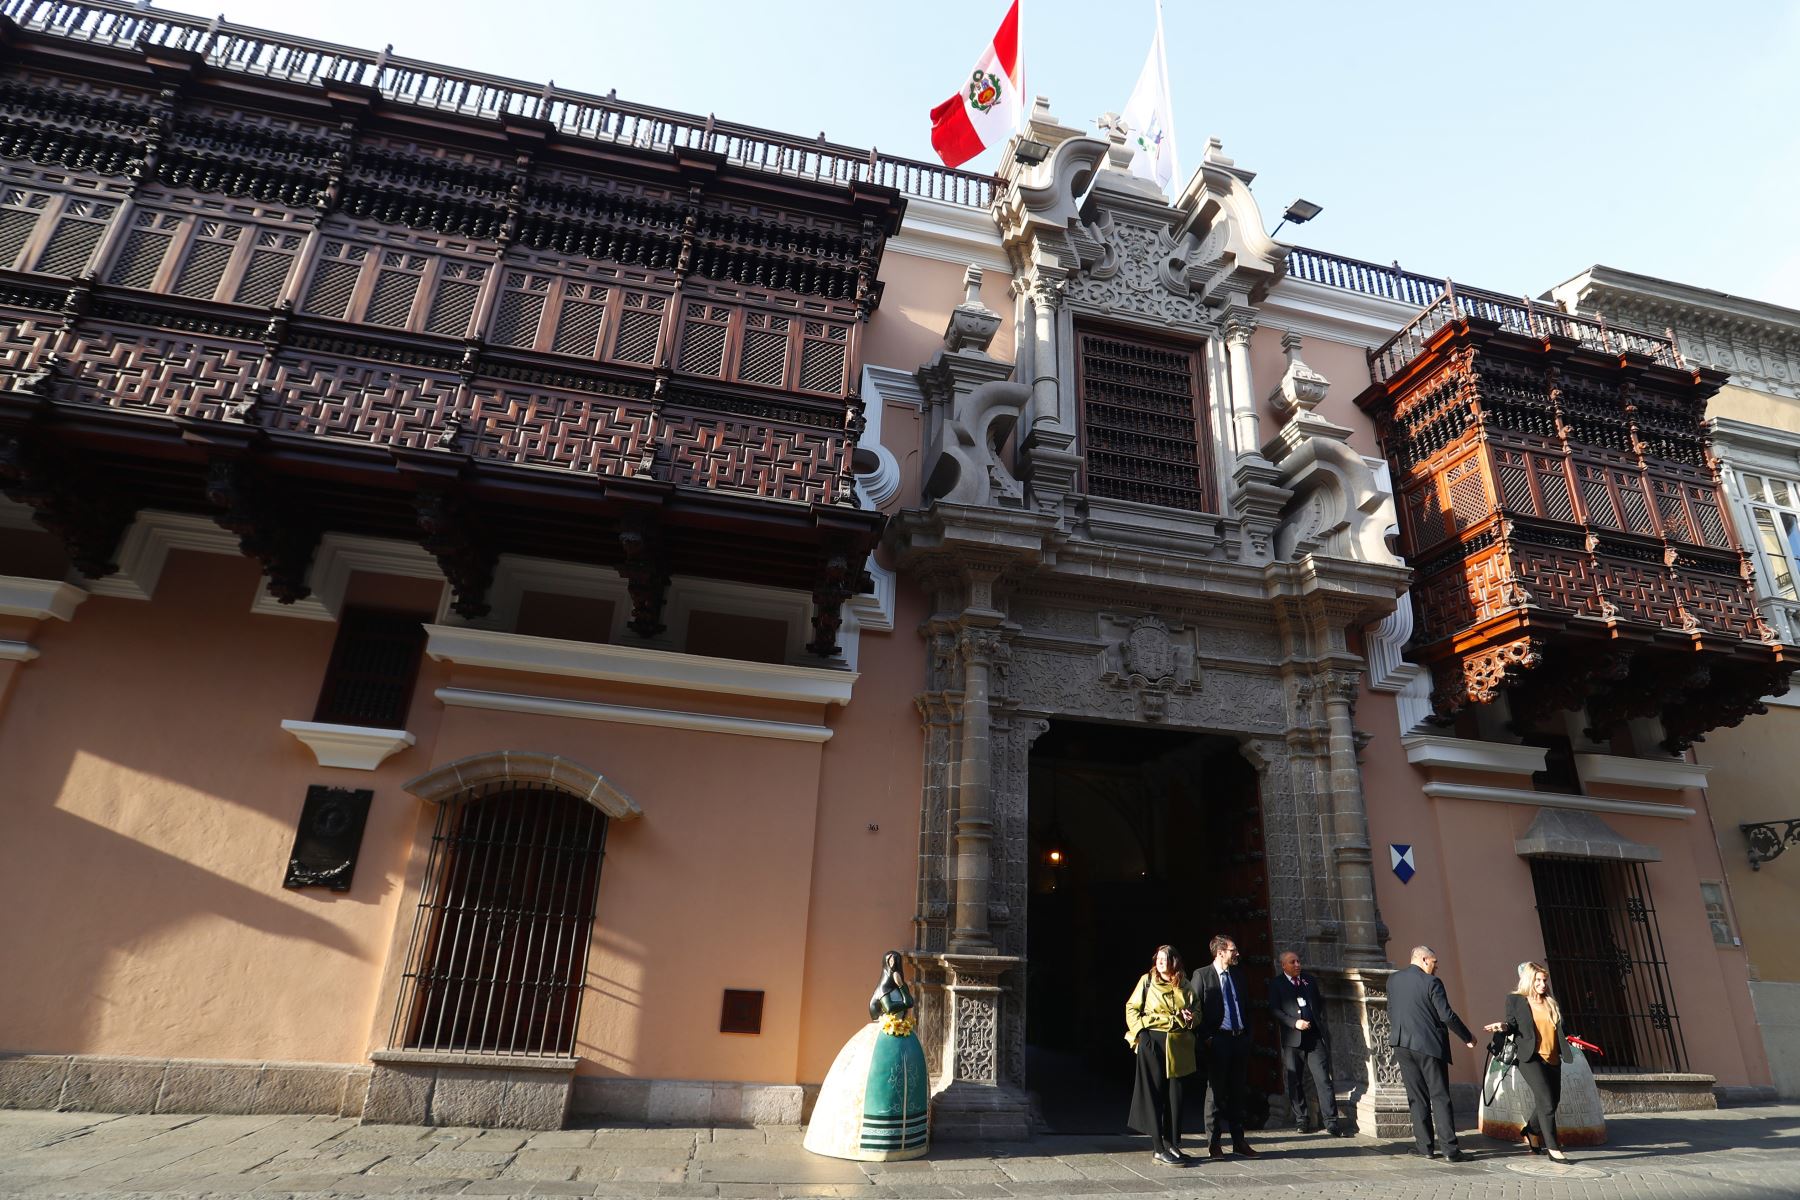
[(872, 1105)]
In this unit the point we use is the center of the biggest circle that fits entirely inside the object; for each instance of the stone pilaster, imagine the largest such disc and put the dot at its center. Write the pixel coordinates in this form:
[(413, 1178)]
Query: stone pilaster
[(971, 1102), (1352, 858), (974, 825)]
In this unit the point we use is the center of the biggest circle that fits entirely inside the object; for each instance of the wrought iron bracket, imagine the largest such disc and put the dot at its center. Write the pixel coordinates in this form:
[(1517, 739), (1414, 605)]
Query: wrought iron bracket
[(1769, 838)]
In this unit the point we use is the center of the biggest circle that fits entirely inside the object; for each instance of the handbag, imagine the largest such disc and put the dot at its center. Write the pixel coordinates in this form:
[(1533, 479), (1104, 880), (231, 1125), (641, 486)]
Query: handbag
[(1502, 1057), (1143, 994)]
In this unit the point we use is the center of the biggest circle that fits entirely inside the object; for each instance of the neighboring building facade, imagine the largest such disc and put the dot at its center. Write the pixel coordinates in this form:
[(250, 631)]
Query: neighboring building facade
[(1755, 423), (510, 602)]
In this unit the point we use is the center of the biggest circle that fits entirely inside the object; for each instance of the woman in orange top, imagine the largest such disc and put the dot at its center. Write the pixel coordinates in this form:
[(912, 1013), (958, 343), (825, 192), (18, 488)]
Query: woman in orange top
[(1534, 1017)]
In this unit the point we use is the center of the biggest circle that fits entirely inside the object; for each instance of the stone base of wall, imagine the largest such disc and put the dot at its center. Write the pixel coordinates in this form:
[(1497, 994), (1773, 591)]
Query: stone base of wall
[(1778, 1020), (1655, 1092), (970, 1112), (117, 1084), (409, 1087), (1730, 1096), (689, 1101)]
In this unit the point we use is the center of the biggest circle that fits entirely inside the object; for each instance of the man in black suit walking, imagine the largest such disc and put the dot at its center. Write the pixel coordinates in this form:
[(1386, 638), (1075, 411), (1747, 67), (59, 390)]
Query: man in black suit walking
[(1305, 1043), (1222, 1028), (1420, 1019)]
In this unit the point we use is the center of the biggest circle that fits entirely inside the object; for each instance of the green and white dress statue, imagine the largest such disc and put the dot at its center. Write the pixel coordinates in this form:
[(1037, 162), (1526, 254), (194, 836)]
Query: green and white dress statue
[(873, 1103)]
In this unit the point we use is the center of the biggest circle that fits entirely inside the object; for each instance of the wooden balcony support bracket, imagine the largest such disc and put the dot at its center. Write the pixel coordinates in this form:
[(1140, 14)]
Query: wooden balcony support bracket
[(271, 525), (645, 569), (841, 576), (78, 505), (451, 533)]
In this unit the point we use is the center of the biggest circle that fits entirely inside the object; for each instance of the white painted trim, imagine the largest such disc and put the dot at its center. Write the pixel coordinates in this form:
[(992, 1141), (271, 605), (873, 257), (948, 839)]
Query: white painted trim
[(874, 609), (38, 599), (355, 747), (879, 386), (636, 665), (586, 710), (1413, 700), (689, 594), (14, 515), (1466, 754), (1670, 774), (144, 551), (951, 233), (1631, 808), (517, 574), (1335, 314), (338, 555), (17, 651)]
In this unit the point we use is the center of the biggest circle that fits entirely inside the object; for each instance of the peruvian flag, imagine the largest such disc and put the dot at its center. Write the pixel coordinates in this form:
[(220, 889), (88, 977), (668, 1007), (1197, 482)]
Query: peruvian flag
[(989, 104)]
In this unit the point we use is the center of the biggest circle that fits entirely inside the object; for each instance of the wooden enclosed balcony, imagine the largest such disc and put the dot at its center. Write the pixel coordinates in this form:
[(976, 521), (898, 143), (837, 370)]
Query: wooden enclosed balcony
[(306, 288), (1565, 522)]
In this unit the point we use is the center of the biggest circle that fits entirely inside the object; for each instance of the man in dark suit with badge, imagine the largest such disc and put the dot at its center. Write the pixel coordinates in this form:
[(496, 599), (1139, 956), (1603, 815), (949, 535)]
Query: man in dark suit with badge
[(1421, 1020), (1221, 1023), (1305, 1044)]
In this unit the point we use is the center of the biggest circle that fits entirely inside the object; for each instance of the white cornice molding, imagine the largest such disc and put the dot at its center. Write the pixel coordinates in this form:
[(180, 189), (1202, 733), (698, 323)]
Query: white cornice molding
[(11, 651), (1701, 304), (1496, 795), (587, 710), (636, 665), (39, 599), (355, 747), (341, 554), (880, 387), (950, 233), (1466, 754), (1759, 448), (1671, 774), (1335, 314), (145, 551)]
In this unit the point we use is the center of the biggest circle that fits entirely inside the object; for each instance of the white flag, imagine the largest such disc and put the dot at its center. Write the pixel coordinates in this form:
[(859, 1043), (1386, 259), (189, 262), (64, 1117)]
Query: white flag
[(1150, 118)]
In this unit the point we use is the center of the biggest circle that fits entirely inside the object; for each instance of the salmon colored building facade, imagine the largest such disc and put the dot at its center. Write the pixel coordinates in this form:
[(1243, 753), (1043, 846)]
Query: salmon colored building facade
[(511, 602)]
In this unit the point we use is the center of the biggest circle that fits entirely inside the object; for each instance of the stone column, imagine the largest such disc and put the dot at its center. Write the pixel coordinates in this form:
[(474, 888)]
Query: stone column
[(1046, 404), (1239, 325), (974, 806), (1048, 460), (1350, 851)]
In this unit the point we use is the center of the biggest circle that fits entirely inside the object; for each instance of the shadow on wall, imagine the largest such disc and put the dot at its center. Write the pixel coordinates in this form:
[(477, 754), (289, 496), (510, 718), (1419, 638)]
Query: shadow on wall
[(93, 962), (150, 803)]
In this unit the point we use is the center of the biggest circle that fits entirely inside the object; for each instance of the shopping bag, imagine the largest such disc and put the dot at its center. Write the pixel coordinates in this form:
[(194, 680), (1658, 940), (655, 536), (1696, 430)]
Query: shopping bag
[(1505, 1101), (1580, 1120)]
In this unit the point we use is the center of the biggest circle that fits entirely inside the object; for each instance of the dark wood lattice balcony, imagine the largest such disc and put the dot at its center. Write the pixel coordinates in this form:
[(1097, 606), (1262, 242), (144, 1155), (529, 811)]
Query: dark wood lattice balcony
[(308, 288), (1564, 519)]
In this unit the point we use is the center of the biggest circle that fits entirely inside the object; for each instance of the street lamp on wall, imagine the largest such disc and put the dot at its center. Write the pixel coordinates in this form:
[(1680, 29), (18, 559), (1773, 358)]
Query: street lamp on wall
[(1299, 212)]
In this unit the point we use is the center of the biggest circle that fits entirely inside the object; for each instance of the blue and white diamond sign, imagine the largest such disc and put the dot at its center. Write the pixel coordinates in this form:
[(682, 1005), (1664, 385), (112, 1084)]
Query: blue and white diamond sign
[(1401, 854)]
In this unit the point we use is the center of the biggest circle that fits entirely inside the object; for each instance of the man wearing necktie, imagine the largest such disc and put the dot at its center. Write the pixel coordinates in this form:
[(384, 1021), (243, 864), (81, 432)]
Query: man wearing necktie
[(1305, 1043), (1224, 1033)]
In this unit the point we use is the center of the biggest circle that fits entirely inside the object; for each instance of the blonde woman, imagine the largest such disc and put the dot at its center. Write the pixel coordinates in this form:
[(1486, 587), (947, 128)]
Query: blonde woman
[(1534, 1017), (1159, 1024)]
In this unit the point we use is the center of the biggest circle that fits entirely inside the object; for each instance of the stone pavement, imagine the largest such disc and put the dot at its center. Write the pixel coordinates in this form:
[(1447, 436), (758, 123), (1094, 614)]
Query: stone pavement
[(1748, 1153)]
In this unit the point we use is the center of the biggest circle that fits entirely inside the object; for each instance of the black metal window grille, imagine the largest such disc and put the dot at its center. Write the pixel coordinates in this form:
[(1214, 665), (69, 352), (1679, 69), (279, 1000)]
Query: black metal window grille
[(1140, 422), (1607, 966), (498, 958), (373, 665)]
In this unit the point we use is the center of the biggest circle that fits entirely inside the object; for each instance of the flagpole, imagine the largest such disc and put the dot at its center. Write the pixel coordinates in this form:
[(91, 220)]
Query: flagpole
[(1162, 53)]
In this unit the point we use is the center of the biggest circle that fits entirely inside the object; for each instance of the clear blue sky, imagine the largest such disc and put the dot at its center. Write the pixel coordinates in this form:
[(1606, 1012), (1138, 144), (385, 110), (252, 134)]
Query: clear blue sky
[(1506, 145)]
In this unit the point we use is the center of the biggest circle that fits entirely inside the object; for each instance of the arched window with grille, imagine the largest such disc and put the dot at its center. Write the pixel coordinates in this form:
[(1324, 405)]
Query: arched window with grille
[(497, 961)]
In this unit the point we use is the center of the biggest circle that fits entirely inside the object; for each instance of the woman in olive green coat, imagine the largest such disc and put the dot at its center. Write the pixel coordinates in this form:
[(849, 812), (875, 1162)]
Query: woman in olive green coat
[(1159, 1024)]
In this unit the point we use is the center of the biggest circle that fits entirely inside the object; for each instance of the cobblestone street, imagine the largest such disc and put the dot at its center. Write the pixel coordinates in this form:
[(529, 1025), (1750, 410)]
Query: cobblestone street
[(1744, 1152)]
